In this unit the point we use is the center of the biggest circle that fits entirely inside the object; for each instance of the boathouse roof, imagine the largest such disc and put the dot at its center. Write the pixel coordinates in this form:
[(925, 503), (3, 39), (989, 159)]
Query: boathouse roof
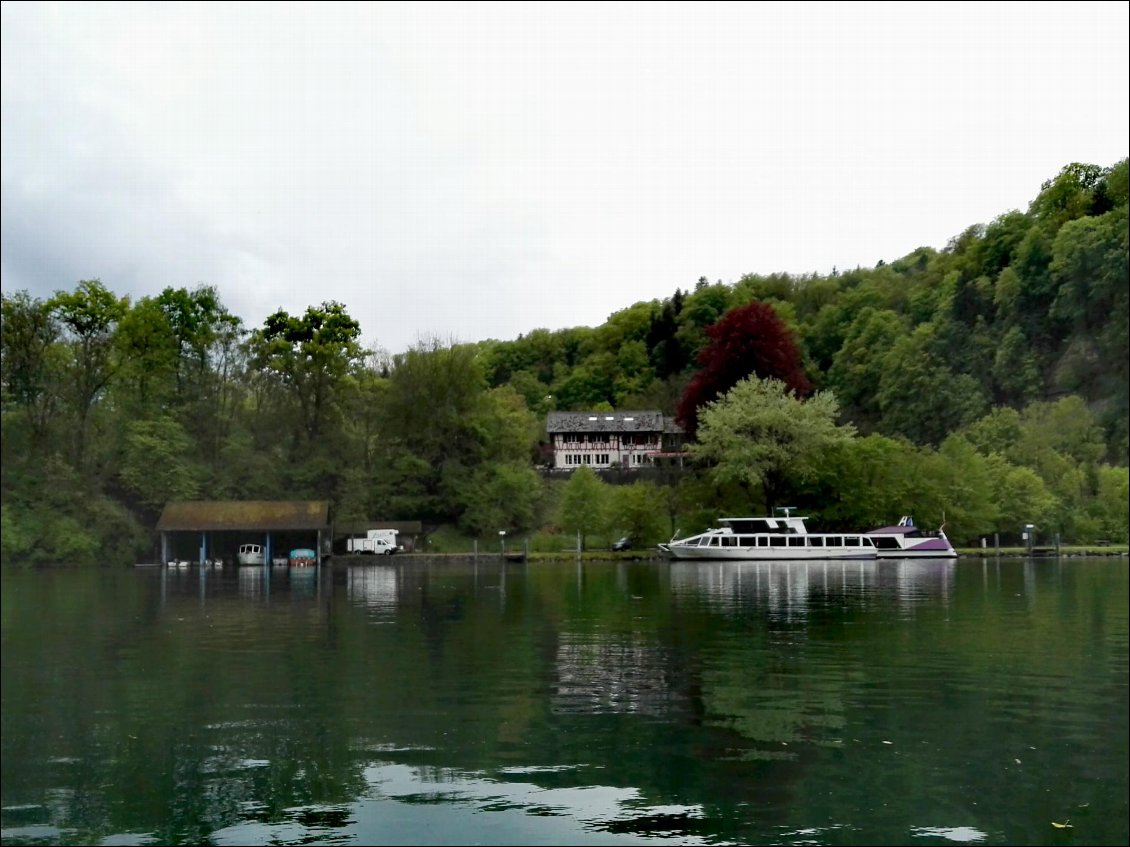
[(244, 515)]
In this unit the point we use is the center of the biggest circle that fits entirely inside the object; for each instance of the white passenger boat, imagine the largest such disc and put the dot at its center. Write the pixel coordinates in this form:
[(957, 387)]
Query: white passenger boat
[(906, 541), (770, 539)]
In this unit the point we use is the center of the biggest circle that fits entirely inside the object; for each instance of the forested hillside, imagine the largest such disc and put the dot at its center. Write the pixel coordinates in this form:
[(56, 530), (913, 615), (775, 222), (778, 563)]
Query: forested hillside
[(984, 384)]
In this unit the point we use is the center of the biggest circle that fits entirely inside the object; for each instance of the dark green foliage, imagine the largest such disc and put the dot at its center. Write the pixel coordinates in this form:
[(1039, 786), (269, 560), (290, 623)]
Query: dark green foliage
[(1015, 336)]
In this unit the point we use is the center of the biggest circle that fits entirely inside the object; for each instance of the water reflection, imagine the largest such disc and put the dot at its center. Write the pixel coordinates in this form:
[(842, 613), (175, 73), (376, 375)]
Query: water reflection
[(404, 805), (788, 590), (375, 587), (598, 673), (254, 581), (425, 701)]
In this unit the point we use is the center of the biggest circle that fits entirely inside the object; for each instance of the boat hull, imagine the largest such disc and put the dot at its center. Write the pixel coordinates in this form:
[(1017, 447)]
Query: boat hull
[(912, 553), (766, 554)]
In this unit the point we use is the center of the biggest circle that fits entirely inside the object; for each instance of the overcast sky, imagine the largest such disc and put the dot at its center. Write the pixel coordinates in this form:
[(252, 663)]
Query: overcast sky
[(461, 171)]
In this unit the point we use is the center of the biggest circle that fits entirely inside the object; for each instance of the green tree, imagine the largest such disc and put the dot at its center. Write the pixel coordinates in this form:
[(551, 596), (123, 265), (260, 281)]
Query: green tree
[(858, 367), (920, 397), (90, 316), (583, 504), (157, 462), (31, 364), (1021, 496), (1111, 509), (872, 481), (638, 510), (499, 496), (760, 435), (310, 356), (1091, 266)]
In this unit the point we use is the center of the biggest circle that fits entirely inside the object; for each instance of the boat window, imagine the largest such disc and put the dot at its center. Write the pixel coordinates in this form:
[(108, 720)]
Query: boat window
[(729, 541), (835, 541), (777, 542), (796, 541), (816, 541), (851, 541)]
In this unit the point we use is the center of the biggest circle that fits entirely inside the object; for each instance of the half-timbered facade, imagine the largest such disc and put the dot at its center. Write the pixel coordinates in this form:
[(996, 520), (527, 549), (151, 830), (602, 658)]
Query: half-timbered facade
[(613, 439)]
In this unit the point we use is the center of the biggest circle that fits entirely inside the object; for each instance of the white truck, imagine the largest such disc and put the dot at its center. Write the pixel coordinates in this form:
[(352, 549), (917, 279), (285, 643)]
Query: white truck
[(380, 542)]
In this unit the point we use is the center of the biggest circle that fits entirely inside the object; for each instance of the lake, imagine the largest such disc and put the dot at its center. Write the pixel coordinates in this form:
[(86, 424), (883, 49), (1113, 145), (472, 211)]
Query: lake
[(421, 701)]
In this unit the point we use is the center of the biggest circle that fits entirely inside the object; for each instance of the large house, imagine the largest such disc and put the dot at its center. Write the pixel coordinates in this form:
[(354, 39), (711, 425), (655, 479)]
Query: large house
[(613, 439)]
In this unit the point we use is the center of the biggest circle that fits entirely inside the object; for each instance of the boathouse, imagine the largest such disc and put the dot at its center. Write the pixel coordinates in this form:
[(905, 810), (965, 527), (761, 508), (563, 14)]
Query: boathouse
[(198, 530)]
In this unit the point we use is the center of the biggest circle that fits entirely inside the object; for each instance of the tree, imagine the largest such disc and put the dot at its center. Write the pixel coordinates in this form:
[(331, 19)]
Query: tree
[(1091, 265), (638, 510), (858, 366), (919, 396), (748, 341), (157, 462), (310, 356), (90, 316), (761, 434), (870, 481), (499, 496), (30, 361), (1020, 495), (583, 503)]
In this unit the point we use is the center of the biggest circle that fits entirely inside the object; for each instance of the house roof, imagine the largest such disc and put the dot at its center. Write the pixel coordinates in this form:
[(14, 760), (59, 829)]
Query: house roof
[(646, 421), (244, 514)]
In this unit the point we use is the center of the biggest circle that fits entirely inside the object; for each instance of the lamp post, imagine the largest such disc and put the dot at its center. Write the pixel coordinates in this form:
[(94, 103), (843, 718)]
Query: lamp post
[(502, 541)]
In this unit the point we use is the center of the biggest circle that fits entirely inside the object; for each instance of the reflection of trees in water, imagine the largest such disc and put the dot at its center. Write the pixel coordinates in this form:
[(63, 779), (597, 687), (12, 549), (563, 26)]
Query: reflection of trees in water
[(628, 674)]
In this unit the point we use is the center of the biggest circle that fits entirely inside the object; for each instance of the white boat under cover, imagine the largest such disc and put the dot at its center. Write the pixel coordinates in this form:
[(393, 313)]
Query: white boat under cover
[(778, 538), (251, 554), (906, 541)]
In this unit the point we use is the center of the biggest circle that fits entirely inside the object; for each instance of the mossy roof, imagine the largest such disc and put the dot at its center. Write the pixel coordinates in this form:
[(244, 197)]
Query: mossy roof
[(244, 514)]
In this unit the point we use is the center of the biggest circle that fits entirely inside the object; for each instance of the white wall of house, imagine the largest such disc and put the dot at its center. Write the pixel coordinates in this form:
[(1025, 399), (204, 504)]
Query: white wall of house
[(604, 449)]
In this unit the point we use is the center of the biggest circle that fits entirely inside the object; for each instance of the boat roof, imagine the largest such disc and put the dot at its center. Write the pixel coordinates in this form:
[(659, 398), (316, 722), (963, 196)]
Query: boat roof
[(765, 518), (893, 530)]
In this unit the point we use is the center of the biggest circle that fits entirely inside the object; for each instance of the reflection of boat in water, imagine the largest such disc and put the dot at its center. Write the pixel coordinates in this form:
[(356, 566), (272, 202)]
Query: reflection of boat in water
[(207, 563), (781, 538), (791, 588), (251, 554), (906, 541)]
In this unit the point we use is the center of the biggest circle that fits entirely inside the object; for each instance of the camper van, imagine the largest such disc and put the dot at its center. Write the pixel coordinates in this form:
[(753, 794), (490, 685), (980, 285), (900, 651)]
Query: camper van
[(381, 542)]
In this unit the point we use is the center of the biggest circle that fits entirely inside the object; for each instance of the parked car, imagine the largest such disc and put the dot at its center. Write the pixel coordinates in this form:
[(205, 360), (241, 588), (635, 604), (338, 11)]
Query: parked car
[(624, 543)]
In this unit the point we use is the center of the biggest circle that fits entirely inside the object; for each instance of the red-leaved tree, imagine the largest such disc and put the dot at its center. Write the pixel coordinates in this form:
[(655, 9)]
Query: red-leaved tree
[(747, 341)]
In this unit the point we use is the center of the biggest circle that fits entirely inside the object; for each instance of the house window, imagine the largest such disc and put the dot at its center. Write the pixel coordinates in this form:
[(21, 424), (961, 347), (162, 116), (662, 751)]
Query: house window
[(572, 438)]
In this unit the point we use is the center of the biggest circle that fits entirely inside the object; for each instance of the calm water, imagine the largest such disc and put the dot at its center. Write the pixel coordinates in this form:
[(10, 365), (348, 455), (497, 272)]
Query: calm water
[(427, 702)]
